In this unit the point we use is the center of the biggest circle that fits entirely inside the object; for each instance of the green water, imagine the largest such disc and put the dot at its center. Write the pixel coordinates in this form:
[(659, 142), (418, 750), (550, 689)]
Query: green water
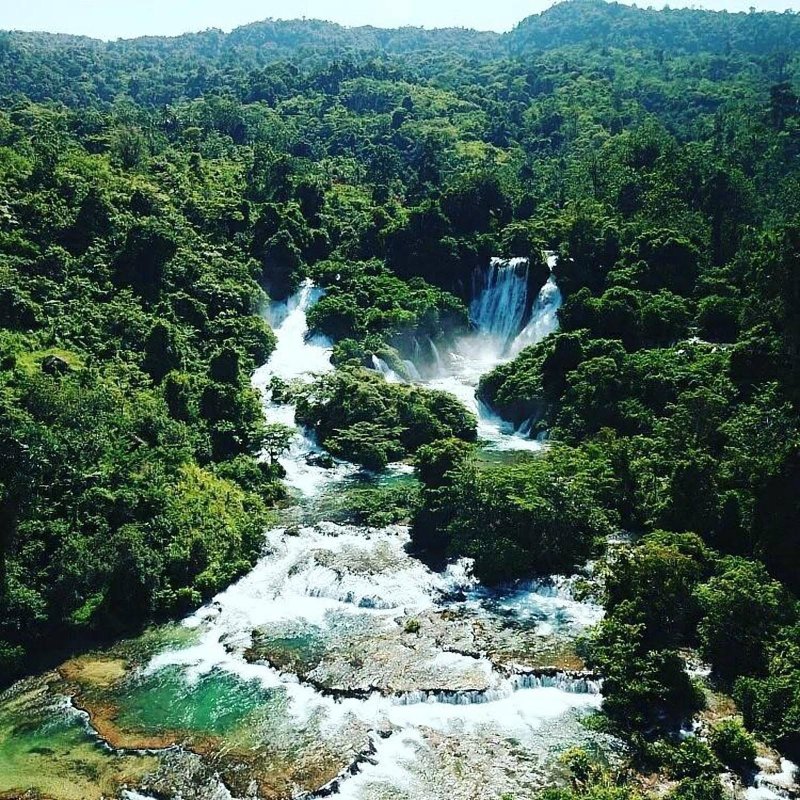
[(45, 748), (499, 458), (367, 499), (216, 704), (289, 648)]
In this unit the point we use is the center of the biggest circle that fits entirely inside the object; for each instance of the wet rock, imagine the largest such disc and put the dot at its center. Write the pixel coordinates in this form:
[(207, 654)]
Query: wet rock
[(366, 756), (361, 655), (188, 776), (55, 365), (321, 460)]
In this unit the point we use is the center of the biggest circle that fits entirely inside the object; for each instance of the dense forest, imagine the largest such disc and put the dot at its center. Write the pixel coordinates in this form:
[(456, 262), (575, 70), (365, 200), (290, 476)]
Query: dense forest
[(154, 192)]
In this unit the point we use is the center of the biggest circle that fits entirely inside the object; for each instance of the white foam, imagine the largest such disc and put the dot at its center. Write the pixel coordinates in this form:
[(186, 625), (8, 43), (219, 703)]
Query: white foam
[(388, 373), (296, 353), (306, 577), (297, 356), (551, 600), (544, 318), (391, 766), (774, 785), (498, 312), (513, 712)]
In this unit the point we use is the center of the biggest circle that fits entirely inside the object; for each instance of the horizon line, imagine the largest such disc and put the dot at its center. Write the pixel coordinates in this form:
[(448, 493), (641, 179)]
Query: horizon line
[(663, 6)]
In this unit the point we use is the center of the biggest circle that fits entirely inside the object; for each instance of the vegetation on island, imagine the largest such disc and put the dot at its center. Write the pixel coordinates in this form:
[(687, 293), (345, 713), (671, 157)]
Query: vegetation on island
[(360, 417)]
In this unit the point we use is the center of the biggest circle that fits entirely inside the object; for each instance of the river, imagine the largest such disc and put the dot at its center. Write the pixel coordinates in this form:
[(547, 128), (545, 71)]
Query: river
[(340, 665)]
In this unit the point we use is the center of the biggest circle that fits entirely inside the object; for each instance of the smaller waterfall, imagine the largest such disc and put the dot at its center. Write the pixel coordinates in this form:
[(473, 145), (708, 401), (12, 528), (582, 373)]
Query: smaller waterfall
[(412, 370), (780, 785), (297, 356), (501, 309), (507, 317), (544, 318), (437, 358), (563, 681), (379, 365)]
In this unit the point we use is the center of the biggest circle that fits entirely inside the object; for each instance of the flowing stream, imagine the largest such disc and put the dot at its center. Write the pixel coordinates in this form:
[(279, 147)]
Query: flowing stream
[(340, 665)]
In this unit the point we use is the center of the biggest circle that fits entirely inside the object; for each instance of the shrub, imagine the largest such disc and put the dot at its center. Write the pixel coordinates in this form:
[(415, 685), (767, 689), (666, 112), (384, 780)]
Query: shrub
[(733, 745)]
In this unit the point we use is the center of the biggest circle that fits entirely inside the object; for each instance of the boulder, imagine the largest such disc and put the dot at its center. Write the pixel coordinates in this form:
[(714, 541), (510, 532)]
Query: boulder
[(55, 365)]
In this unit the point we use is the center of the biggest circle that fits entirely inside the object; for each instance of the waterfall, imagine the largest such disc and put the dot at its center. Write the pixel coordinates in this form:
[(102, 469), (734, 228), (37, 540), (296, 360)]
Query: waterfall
[(563, 681), (315, 638), (388, 373), (501, 309), (500, 302), (412, 370), (297, 356), (507, 317), (544, 317), (780, 785), (437, 358)]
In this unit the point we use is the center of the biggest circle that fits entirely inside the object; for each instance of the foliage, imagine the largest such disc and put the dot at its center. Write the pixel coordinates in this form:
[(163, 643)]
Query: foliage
[(149, 188), (367, 303), (109, 519), (656, 580), (733, 745), (690, 760), (359, 416), (705, 787), (645, 688), (129, 481), (537, 517), (742, 609)]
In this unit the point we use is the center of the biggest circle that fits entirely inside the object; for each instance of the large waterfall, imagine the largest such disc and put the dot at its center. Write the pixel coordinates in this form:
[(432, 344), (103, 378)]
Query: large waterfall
[(507, 316), (501, 301), (504, 309)]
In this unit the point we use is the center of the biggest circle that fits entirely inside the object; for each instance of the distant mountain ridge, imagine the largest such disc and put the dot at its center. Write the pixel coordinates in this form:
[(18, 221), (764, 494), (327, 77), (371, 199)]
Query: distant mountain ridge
[(33, 62), (571, 22), (686, 30)]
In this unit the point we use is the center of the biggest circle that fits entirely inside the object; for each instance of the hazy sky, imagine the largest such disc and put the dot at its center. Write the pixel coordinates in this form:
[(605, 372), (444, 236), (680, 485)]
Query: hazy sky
[(110, 19)]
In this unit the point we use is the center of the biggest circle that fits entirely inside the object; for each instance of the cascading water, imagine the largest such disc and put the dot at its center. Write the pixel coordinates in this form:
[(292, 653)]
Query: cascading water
[(775, 785), (342, 664), (381, 366), (437, 358), (544, 317), (297, 356), (322, 620), (505, 322), (412, 370), (500, 303)]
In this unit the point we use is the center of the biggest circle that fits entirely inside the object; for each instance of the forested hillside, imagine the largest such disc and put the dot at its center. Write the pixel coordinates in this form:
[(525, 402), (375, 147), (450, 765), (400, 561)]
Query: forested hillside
[(153, 192)]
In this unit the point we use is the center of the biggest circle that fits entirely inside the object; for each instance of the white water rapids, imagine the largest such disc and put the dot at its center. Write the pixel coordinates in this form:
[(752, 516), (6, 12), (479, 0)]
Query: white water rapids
[(435, 676), (297, 356), (422, 699)]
